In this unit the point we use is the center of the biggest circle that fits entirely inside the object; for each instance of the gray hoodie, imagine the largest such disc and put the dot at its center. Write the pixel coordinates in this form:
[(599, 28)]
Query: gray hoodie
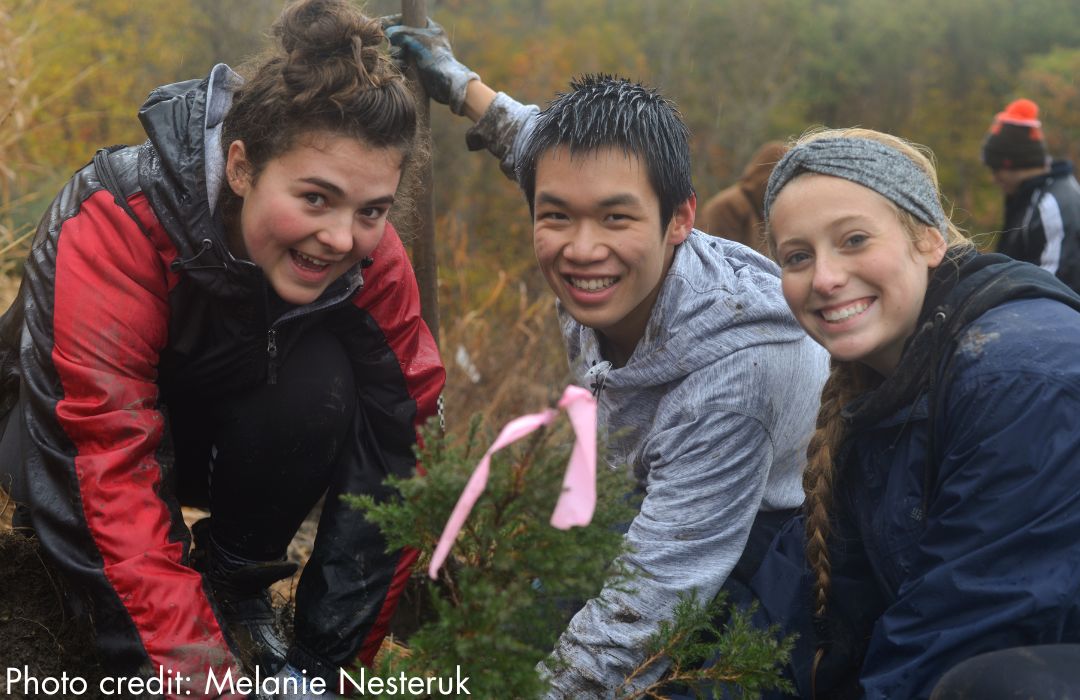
[(713, 412)]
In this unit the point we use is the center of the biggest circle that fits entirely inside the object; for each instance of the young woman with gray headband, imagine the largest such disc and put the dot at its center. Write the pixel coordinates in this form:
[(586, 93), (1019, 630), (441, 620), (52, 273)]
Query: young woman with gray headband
[(942, 514)]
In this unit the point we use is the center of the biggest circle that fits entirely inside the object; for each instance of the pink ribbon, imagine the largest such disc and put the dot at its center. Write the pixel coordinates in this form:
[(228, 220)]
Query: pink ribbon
[(578, 498)]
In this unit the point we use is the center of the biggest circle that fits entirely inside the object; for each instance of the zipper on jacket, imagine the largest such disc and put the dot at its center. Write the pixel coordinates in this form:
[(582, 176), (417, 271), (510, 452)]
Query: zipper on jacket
[(271, 333), (271, 351)]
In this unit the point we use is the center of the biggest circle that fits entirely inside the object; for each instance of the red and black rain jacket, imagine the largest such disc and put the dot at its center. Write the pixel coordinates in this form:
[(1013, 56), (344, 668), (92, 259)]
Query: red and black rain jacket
[(119, 307)]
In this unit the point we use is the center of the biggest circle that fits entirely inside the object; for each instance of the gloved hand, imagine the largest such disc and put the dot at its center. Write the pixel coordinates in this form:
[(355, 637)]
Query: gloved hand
[(444, 77)]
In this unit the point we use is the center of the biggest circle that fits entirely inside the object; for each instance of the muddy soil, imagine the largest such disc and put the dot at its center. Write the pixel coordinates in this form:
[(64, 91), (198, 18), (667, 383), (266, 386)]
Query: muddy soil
[(40, 639), (36, 636)]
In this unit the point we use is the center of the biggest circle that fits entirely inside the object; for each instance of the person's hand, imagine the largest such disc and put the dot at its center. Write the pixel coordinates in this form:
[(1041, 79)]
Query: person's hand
[(444, 77)]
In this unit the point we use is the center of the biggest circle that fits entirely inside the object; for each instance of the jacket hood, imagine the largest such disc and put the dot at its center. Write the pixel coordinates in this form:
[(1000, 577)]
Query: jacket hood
[(178, 169), (964, 287), (1061, 168), (718, 297)]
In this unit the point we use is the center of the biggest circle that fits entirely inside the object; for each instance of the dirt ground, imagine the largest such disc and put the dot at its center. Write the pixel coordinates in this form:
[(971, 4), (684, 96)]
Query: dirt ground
[(36, 633)]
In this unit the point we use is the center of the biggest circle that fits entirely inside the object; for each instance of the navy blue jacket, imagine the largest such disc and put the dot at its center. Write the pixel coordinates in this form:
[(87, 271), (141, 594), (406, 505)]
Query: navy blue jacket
[(964, 538)]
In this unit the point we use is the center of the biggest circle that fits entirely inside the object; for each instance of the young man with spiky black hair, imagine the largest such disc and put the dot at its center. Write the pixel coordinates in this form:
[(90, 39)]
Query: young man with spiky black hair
[(707, 386)]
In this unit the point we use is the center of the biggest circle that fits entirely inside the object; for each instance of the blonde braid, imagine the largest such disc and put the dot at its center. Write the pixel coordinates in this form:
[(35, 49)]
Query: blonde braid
[(846, 381)]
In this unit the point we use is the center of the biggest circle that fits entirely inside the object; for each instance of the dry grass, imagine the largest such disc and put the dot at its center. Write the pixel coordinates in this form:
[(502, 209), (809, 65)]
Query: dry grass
[(500, 342), (9, 287), (7, 510), (17, 109), (14, 99)]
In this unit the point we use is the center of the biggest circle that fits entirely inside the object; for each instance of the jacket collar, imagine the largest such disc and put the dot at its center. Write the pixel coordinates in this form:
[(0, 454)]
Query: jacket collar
[(1058, 169)]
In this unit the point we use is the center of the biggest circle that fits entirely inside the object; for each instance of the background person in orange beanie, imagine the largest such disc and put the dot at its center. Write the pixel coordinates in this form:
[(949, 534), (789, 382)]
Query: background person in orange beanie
[(1042, 197)]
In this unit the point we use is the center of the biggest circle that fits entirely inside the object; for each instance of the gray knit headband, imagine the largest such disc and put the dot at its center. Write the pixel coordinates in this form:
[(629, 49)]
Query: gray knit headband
[(871, 164)]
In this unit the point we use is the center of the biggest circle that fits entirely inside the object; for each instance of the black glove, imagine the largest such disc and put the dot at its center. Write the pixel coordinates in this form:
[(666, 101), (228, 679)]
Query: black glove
[(444, 77)]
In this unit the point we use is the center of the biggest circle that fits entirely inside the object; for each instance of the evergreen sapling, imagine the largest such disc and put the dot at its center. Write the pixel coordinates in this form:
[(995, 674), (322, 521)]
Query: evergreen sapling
[(513, 582)]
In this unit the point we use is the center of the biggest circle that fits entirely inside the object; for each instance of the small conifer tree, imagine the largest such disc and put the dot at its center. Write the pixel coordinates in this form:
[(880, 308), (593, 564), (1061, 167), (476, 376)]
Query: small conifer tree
[(512, 582)]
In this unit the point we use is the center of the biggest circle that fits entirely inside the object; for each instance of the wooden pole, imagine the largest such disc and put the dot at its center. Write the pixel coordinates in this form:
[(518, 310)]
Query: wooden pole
[(425, 264)]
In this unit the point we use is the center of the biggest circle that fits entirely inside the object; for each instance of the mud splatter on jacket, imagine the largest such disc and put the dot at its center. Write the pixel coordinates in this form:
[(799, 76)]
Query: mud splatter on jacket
[(115, 312)]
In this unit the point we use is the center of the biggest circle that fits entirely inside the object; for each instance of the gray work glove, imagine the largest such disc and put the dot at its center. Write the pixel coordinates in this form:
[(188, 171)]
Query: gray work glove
[(444, 77)]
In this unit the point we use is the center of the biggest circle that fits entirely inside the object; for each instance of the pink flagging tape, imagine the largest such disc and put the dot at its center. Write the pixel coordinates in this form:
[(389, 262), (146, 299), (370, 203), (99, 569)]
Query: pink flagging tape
[(578, 498)]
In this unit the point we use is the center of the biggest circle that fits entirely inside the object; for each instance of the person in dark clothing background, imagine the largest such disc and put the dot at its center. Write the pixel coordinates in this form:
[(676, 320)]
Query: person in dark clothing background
[(1042, 196), (223, 317)]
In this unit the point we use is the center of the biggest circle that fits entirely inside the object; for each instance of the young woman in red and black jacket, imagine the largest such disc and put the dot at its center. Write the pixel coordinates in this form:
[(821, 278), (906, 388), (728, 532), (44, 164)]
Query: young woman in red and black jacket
[(222, 316)]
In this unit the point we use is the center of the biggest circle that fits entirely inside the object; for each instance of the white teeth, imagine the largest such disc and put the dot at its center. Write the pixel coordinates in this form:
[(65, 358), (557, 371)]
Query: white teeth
[(846, 312), (593, 285), (310, 260)]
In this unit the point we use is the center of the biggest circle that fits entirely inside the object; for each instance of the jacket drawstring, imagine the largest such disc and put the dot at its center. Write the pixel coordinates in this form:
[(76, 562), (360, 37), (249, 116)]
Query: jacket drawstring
[(597, 376), (182, 263)]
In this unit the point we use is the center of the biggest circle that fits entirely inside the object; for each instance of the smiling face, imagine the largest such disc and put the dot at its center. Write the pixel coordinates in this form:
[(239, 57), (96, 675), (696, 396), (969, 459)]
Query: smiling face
[(313, 212), (852, 275), (600, 243)]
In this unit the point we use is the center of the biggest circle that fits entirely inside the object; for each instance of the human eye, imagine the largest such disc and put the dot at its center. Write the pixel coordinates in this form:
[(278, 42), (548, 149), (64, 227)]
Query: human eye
[(856, 239), (794, 259), (372, 213), (551, 215), (618, 218), (315, 199)]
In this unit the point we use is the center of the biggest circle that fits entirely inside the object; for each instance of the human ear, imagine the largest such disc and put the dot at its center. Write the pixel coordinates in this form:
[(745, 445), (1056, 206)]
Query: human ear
[(237, 168), (932, 246), (682, 221)]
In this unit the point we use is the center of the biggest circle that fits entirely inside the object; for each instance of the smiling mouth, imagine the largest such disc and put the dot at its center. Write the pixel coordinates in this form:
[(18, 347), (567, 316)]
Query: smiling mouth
[(307, 262), (845, 312), (593, 284)]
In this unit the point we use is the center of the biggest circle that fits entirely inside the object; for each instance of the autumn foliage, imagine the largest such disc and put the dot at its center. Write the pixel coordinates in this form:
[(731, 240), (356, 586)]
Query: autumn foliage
[(742, 71)]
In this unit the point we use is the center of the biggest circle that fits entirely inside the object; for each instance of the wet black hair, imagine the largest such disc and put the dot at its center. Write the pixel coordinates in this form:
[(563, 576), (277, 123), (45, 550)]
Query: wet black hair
[(608, 111)]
